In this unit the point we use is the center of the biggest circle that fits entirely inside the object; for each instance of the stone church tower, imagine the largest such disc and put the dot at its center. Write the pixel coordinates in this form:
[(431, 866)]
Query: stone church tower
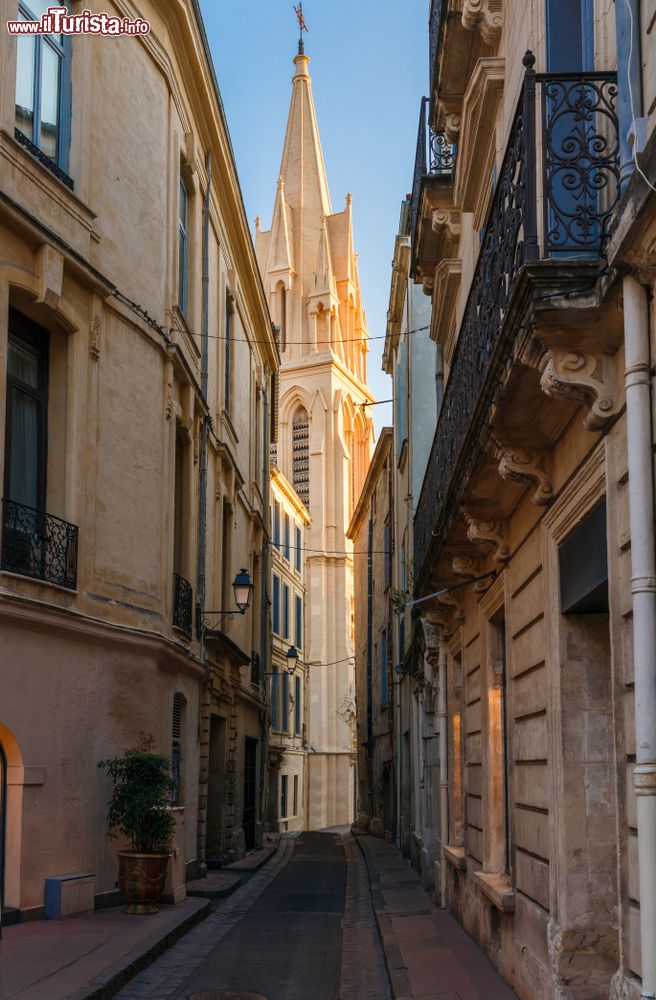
[(325, 435)]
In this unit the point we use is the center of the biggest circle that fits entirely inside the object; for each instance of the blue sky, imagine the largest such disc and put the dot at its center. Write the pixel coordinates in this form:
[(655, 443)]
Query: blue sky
[(369, 65)]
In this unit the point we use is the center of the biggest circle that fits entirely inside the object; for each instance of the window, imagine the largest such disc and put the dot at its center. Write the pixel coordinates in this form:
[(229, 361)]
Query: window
[(285, 611), (387, 546), (298, 615), (43, 89), (276, 524), (177, 730), (295, 810), (570, 36), (285, 702), (301, 455), (27, 413), (275, 682), (276, 604), (287, 540), (298, 707), (183, 247), (404, 567), (281, 311), (228, 353), (383, 668), (283, 796), (401, 395), (297, 555)]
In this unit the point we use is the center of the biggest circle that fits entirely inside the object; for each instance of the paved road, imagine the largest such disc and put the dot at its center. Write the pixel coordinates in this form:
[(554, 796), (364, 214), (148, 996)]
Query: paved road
[(307, 932)]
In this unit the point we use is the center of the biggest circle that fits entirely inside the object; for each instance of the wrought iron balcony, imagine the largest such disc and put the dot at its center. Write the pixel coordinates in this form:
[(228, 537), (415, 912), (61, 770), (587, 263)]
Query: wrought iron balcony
[(438, 7), (435, 157), (577, 181), (38, 545), (183, 602)]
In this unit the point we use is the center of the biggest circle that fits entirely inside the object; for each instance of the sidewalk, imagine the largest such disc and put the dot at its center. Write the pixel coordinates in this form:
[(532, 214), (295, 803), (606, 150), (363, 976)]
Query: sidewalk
[(91, 956), (428, 954)]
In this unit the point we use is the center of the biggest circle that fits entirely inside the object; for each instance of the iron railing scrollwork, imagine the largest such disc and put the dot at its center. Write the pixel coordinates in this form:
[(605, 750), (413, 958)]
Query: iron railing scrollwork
[(182, 605), (434, 28), (434, 157), (580, 180), (38, 545), (581, 169)]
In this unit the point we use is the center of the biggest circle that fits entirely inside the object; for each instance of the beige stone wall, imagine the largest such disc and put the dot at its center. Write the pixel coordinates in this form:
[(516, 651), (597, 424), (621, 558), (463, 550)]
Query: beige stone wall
[(123, 387)]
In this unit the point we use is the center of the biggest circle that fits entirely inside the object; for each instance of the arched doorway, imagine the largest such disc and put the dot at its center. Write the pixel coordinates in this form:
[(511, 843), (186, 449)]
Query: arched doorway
[(3, 822)]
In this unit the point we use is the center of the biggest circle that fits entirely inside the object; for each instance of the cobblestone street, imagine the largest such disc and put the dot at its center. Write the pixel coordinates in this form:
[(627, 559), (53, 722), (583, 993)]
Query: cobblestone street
[(310, 925)]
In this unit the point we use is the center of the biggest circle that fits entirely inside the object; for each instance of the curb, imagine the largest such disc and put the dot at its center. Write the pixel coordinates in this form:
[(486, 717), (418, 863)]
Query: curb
[(113, 979), (396, 973)]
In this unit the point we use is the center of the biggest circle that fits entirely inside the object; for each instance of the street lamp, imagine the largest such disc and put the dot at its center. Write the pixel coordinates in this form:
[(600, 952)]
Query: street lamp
[(292, 659), (242, 587)]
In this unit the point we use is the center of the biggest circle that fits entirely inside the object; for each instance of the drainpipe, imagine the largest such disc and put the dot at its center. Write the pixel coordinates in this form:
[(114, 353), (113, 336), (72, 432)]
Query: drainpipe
[(632, 126), (370, 731), (444, 772), (264, 632), (643, 589), (202, 491)]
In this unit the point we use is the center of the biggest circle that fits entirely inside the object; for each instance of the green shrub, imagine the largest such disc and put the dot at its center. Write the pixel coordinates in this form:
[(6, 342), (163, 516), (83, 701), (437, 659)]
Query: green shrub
[(138, 808)]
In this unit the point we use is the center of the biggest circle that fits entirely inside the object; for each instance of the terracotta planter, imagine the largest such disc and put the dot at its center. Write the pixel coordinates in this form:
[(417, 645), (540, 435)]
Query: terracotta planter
[(141, 879)]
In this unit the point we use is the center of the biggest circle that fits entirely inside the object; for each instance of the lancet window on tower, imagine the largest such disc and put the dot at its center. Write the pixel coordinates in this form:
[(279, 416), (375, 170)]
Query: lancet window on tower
[(301, 454)]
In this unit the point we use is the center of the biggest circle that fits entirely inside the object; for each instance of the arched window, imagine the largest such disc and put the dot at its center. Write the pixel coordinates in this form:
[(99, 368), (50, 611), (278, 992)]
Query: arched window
[(177, 731), (301, 454), (281, 313)]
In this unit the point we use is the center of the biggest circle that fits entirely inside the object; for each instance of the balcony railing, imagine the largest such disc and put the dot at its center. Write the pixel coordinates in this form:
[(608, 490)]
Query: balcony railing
[(182, 605), (38, 545), (579, 182), (435, 157), (438, 7)]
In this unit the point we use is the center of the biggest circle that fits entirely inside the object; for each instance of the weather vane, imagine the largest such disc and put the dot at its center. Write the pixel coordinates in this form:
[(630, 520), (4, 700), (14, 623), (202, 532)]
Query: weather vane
[(298, 10)]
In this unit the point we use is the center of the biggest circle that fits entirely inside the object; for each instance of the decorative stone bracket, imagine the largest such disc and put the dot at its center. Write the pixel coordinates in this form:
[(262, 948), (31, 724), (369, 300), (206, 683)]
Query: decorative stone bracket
[(584, 378), (446, 222), (485, 16), (488, 532), (521, 466)]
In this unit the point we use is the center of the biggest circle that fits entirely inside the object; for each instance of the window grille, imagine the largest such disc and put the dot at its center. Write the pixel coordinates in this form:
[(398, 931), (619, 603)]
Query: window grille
[(301, 455)]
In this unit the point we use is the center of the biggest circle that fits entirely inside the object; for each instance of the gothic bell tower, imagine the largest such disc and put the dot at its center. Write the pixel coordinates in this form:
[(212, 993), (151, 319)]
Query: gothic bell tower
[(310, 272)]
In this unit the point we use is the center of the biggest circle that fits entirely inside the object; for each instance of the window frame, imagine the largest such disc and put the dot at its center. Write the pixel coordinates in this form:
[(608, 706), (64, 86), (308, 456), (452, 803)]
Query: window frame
[(63, 51), (275, 605), (298, 621), (298, 564), (275, 698), (285, 610), (183, 246), (384, 685), (286, 544), (298, 705), (36, 340)]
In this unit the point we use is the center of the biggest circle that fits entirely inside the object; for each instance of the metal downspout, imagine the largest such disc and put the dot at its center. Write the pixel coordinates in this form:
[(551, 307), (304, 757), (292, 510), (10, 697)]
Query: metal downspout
[(444, 768), (204, 427), (370, 735), (643, 589), (266, 553)]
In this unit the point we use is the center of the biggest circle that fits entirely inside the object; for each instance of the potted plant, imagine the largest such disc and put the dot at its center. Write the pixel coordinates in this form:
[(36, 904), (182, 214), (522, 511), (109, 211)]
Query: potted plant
[(139, 810)]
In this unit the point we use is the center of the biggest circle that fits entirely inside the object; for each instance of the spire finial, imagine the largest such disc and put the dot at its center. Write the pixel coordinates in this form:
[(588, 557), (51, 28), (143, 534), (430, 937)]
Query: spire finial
[(302, 26)]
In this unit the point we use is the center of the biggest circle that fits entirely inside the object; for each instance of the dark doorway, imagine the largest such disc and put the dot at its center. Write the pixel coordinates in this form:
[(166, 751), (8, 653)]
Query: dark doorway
[(388, 803), (250, 791), (215, 792)]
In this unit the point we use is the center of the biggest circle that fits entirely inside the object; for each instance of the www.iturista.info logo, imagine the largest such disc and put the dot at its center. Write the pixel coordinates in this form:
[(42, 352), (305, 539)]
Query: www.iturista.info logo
[(58, 21)]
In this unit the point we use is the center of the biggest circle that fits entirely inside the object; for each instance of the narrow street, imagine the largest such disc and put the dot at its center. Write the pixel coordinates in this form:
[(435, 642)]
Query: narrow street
[(310, 932), (306, 927)]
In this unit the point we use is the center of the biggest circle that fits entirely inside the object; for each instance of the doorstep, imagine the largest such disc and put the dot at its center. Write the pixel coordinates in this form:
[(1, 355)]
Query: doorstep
[(89, 957), (252, 862), (216, 885)]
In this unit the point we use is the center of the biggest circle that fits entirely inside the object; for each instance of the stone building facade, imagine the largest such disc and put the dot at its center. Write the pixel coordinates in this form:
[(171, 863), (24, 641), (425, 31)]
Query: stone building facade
[(533, 236), (136, 361), (288, 747), (310, 273), (370, 531), (414, 363)]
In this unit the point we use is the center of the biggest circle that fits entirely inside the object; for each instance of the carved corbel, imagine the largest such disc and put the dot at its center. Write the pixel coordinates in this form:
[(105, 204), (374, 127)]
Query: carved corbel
[(452, 126), (443, 221), (584, 378), (465, 566), (440, 617), (485, 16), (452, 603), (94, 343), (481, 532), (521, 466)]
